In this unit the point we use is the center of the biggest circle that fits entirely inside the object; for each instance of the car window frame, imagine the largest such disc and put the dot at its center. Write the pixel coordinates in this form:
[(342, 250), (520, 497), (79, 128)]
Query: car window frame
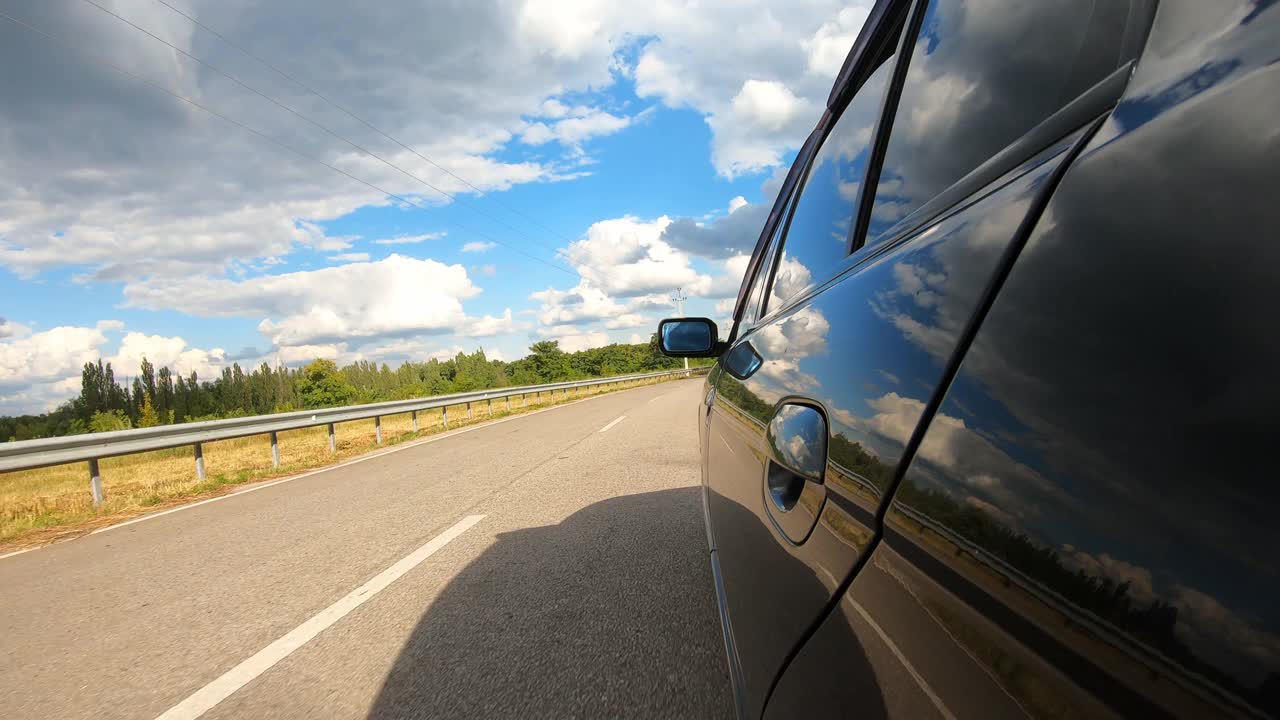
[(1074, 113), (761, 254), (900, 17), (886, 16), (766, 270)]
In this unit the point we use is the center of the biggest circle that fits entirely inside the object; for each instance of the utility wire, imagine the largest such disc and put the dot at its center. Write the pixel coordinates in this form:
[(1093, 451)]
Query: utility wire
[(177, 96), (287, 108), (357, 118)]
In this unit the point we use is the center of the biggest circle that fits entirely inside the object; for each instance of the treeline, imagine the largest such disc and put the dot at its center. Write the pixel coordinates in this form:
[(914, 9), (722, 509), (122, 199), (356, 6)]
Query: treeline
[(160, 396)]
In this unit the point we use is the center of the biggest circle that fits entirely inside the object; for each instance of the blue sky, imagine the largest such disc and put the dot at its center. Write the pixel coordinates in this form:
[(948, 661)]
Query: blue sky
[(634, 149)]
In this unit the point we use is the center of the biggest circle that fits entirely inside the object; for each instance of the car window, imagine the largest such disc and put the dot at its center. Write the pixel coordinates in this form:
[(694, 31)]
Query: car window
[(817, 238), (753, 309), (978, 81)]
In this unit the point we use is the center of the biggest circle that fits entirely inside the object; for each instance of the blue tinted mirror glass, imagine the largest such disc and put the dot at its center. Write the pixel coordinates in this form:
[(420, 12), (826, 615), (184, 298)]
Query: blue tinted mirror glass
[(687, 336), (742, 361)]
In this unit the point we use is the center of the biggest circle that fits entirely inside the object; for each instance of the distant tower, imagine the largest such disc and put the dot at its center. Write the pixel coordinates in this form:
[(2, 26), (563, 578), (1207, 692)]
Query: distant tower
[(679, 301)]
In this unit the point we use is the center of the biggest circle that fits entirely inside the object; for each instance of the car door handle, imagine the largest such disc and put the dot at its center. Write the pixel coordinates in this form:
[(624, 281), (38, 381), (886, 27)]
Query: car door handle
[(793, 482)]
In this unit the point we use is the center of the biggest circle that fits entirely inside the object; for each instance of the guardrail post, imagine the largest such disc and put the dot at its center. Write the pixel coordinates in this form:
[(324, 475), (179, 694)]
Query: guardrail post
[(333, 446), (468, 411), (275, 451), (508, 403), (199, 461), (414, 415), (95, 482), (377, 429), (490, 401), (444, 415)]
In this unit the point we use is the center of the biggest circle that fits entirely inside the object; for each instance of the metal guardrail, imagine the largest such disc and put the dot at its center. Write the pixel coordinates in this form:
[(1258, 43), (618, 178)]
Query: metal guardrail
[(27, 454)]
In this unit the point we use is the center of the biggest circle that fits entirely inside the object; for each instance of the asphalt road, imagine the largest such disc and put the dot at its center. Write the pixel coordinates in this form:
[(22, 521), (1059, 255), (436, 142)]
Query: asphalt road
[(541, 566)]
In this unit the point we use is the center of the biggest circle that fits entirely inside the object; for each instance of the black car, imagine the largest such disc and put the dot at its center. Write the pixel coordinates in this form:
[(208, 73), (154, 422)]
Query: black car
[(990, 434)]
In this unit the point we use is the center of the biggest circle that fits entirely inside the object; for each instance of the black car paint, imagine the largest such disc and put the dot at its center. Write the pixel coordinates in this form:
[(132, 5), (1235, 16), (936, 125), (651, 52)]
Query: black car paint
[(1087, 525)]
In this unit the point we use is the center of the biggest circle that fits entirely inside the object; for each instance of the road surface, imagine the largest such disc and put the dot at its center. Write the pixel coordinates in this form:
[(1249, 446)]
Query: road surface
[(547, 565)]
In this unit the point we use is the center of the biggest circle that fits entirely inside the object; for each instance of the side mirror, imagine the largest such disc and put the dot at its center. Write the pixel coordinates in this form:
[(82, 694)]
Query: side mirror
[(688, 337)]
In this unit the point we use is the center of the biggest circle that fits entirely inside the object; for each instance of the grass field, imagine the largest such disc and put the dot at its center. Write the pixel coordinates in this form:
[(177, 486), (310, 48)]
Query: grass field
[(46, 504)]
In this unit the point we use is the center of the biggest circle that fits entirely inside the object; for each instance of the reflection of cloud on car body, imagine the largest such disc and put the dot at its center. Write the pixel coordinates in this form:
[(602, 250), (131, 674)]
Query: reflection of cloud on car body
[(786, 344)]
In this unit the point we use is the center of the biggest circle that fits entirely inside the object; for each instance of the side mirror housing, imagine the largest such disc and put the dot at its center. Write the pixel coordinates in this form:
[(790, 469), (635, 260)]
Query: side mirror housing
[(689, 337)]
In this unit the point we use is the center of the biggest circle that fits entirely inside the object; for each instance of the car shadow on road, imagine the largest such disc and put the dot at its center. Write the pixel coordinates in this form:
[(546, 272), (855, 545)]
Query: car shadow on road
[(608, 613)]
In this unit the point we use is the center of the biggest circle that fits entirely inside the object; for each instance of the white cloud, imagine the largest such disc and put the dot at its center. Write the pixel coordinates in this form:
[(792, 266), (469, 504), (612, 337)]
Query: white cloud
[(553, 108), (987, 471), (28, 358), (1139, 578), (300, 354), (1221, 635), (487, 270), (626, 257), (629, 320), (171, 352), (573, 131), (573, 340), (82, 184), (707, 53), (491, 325), (39, 397), (655, 77), (829, 46), (727, 284), (566, 30), (39, 370), (219, 196), (190, 229), (1216, 633), (767, 104), (801, 335), (790, 277), (726, 236), (410, 239), (478, 246), (396, 295), (582, 303)]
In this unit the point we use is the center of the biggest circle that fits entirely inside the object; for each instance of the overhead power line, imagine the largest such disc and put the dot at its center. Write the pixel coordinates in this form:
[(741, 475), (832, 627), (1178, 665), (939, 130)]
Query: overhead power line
[(297, 114), (357, 118), (178, 96)]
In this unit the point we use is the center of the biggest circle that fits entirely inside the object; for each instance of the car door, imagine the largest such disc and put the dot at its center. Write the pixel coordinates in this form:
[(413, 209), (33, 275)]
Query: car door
[(774, 572), (1037, 82)]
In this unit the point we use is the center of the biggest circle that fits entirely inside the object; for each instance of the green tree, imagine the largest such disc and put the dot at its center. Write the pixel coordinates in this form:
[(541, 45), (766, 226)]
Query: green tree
[(108, 421), (548, 362), (321, 384), (147, 416)]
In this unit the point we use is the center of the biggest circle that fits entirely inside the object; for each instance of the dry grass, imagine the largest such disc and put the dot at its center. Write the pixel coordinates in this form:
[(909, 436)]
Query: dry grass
[(46, 504)]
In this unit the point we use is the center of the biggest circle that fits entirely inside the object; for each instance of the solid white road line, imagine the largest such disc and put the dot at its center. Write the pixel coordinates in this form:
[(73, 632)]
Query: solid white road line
[(911, 670), (617, 420), (237, 677), (19, 552)]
